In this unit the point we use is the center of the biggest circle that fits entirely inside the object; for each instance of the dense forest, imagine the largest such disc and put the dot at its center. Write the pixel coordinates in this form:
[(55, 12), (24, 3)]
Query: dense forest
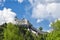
[(14, 32)]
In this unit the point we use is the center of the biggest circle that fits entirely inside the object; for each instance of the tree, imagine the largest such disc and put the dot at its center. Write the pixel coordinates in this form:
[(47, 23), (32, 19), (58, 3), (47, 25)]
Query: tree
[(27, 35), (11, 32), (16, 32), (2, 30), (55, 34), (40, 28)]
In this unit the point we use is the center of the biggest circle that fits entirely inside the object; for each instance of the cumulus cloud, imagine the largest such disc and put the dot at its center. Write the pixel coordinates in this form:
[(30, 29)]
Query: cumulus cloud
[(50, 1), (39, 11), (50, 9), (7, 15), (54, 9), (20, 1), (45, 9)]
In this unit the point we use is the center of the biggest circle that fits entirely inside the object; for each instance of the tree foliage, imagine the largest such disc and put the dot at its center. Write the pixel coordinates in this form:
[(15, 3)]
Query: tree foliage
[(55, 34), (16, 32), (40, 28), (11, 32)]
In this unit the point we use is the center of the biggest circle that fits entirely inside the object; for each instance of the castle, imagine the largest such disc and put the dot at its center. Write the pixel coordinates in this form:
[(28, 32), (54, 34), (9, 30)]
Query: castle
[(29, 26)]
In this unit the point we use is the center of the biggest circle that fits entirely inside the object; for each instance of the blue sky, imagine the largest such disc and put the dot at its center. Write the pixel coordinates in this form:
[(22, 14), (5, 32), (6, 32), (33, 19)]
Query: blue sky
[(40, 13)]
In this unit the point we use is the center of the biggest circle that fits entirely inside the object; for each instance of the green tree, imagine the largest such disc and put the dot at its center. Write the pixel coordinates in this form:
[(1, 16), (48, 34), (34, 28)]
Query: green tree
[(27, 35), (2, 31), (40, 28), (55, 34), (11, 32)]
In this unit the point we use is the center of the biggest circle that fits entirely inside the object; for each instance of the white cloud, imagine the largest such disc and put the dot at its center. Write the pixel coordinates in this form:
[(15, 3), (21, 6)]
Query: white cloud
[(54, 9), (49, 11), (20, 1), (39, 20), (7, 15), (41, 11), (51, 7), (49, 0), (46, 9)]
